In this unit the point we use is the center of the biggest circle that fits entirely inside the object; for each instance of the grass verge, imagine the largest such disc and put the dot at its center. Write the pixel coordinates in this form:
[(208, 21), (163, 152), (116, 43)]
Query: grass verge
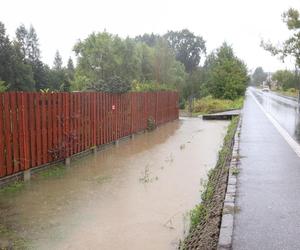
[(209, 105), (289, 92), (205, 218)]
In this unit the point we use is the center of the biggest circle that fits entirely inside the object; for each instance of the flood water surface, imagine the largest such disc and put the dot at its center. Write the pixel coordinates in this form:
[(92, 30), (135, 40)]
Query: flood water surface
[(136, 195)]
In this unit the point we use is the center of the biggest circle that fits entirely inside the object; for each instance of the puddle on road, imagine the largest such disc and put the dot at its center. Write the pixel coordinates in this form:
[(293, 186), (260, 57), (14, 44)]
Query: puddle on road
[(133, 196)]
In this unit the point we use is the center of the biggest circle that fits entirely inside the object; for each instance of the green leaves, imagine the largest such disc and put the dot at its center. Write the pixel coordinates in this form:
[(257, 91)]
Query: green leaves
[(108, 62), (285, 79), (226, 74), (188, 48)]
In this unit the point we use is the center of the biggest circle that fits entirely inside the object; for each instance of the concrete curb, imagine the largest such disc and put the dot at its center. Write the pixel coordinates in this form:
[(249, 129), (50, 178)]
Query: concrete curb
[(226, 230)]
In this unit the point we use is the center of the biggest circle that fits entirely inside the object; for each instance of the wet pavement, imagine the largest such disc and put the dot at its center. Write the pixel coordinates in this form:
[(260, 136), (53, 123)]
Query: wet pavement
[(284, 110), (132, 196), (268, 197)]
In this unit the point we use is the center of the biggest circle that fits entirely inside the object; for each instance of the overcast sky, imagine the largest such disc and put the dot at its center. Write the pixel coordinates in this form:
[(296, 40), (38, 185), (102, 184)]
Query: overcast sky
[(242, 23)]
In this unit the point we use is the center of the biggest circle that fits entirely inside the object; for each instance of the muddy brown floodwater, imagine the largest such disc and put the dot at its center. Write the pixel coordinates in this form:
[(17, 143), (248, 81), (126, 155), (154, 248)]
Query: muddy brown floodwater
[(136, 195)]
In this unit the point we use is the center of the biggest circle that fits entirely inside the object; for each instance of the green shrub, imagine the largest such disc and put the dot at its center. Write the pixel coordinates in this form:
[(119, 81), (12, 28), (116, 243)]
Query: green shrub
[(149, 86), (208, 105)]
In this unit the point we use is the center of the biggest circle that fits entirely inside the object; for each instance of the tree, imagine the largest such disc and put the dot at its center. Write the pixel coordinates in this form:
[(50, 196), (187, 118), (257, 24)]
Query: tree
[(149, 39), (188, 48), (58, 75), (259, 76), (290, 47), (6, 55), (227, 75), (57, 63), (22, 73), (285, 79), (70, 69), (28, 43), (146, 55), (16, 74)]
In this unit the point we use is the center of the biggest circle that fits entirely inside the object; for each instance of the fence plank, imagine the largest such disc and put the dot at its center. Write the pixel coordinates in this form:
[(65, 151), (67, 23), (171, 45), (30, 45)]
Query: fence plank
[(2, 142), (7, 135), (15, 137)]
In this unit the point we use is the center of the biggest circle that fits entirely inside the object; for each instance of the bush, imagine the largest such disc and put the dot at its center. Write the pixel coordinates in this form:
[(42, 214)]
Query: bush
[(211, 105), (149, 86)]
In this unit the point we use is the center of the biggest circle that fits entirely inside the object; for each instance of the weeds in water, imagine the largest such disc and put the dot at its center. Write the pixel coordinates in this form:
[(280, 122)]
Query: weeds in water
[(103, 179), (146, 178), (57, 171), (12, 188), (151, 124), (9, 239), (170, 159), (146, 175)]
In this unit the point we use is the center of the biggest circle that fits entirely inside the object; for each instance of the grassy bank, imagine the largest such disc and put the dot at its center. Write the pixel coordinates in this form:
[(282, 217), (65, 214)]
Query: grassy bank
[(209, 105), (289, 92), (205, 218)]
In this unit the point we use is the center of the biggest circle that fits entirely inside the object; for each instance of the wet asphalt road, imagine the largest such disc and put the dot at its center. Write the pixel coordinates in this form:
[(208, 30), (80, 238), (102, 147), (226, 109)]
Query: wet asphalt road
[(284, 110), (268, 191)]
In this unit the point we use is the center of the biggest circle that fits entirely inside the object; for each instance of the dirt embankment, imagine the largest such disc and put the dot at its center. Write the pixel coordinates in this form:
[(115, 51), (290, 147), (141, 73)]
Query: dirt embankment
[(206, 217)]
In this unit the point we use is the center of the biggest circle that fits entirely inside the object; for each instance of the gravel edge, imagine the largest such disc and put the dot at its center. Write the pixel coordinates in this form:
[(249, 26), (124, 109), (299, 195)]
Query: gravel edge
[(226, 230)]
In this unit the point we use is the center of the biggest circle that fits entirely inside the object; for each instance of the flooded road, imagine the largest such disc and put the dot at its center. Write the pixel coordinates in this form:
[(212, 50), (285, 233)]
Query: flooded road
[(284, 110), (132, 196)]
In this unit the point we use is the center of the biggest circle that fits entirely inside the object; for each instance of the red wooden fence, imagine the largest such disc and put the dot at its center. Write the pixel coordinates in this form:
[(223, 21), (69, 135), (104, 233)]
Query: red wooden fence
[(39, 128)]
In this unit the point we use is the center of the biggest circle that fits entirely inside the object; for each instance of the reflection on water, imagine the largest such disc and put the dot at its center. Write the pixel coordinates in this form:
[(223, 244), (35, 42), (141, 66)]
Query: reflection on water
[(132, 196), (285, 111)]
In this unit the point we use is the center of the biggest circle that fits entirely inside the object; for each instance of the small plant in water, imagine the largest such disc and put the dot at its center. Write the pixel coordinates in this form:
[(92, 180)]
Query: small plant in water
[(151, 124), (146, 175), (170, 158), (146, 178)]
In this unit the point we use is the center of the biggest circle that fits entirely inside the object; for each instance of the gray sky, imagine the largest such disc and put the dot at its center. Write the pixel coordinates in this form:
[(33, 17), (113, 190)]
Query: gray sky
[(242, 23)]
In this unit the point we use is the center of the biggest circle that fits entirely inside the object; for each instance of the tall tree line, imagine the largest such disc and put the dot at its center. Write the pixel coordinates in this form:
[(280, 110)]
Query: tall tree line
[(107, 62), (21, 67)]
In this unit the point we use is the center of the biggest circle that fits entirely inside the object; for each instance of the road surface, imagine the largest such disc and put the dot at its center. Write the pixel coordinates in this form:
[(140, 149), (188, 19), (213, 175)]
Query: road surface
[(268, 190), (284, 110)]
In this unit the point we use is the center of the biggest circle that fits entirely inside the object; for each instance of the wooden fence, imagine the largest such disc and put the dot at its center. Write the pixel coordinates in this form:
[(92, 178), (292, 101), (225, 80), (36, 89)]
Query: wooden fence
[(39, 128)]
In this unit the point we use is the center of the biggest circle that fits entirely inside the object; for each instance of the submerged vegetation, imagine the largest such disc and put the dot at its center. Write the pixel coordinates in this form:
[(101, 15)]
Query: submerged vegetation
[(206, 216), (56, 171), (12, 188)]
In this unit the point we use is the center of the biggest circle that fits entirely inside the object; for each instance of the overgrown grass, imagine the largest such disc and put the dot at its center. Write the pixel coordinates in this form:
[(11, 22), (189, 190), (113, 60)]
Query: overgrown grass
[(209, 105), (289, 92), (200, 213), (56, 171)]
